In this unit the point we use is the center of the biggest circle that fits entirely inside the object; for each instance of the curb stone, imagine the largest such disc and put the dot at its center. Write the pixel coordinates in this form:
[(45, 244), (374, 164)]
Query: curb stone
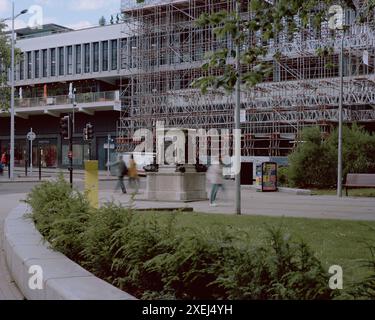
[(62, 278)]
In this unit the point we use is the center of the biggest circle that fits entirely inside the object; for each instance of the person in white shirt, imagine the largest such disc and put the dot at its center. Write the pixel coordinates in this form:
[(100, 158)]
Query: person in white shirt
[(215, 177)]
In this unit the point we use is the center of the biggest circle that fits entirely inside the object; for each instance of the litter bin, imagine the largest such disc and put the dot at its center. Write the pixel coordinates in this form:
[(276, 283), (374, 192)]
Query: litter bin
[(266, 180)]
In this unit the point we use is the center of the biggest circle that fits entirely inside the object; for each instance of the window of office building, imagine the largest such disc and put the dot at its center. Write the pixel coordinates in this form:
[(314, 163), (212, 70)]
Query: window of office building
[(44, 63), (95, 49), (105, 56), (78, 59), (22, 66), (87, 58), (61, 61), (53, 62), (29, 65), (114, 54), (36, 64), (69, 60)]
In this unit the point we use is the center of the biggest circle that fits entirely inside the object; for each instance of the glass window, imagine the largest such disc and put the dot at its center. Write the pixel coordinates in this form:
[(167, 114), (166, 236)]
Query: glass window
[(105, 56), (29, 65), (80, 152), (36, 64), (61, 61), (53, 62), (69, 60), (95, 49), (114, 54), (78, 59), (44, 62), (87, 58), (22, 66)]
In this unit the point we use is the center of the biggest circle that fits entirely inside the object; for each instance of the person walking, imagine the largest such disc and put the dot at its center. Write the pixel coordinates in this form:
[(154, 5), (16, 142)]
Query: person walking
[(215, 177), (4, 159), (122, 171), (133, 174), (3, 162)]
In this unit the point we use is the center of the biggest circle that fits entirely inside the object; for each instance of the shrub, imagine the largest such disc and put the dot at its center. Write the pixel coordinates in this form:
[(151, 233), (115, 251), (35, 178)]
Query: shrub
[(153, 257), (358, 150), (60, 214), (282, 176), (314, 162), (366, 288)]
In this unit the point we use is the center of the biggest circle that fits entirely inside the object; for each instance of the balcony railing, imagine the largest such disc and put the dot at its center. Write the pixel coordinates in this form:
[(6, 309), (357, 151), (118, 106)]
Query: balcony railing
[(90, 97)]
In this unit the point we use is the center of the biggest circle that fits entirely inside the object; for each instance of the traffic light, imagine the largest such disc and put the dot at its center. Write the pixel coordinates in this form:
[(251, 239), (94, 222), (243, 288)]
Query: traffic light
[(65, 127), (85, 135), (88, 132)]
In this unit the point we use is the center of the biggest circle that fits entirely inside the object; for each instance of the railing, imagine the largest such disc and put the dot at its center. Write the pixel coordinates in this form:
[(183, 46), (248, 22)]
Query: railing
[(90, 97)]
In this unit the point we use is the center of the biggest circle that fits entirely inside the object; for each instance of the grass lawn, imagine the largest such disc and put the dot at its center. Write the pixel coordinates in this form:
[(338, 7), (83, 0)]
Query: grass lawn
[(369, 192), (335, 242)]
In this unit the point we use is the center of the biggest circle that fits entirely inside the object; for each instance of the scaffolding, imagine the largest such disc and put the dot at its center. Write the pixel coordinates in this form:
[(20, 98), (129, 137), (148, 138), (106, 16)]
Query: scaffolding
[(162, 52)]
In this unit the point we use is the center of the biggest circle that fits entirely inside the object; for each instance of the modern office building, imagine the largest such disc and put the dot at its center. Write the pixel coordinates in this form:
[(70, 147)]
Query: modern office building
[(52, 58)]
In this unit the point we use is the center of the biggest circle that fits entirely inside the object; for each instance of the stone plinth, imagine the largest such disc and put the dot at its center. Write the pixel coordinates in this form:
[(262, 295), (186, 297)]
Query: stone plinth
[(169, 185)]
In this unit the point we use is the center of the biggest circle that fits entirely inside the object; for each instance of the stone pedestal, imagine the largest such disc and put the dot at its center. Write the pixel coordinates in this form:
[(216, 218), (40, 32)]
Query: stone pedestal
[(169, 185)]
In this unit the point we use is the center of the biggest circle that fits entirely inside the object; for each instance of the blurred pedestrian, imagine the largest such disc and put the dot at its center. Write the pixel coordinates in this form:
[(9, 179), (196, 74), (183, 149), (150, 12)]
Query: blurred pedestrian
[(122, 171), (215, 177), (4, 159), (133, 174)]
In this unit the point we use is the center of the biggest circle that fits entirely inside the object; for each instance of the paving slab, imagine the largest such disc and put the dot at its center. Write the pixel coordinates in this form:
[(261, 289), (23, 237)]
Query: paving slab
[(264, 204), (8, 288)]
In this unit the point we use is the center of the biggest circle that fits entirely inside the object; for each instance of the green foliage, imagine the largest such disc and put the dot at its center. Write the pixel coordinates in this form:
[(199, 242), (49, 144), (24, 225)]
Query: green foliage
[(153, 257), (5, 57), (269, 20), (5, 62), (358, 150), (61, 215), (366, 288), (282, 176), (314, 162), (102, 21)]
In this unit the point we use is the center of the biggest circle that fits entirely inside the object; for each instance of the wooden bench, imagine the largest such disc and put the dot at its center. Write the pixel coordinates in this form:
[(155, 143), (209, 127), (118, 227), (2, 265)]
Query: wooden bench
[(359, 180)]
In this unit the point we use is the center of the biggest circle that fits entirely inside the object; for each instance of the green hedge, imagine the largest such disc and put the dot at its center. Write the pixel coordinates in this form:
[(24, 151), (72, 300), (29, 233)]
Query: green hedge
[(314, 162), (153, 257)]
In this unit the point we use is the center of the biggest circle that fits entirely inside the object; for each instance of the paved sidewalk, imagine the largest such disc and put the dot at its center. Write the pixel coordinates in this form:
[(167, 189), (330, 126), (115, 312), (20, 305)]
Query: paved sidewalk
[(8, 290), (79, 175), (266, 204)]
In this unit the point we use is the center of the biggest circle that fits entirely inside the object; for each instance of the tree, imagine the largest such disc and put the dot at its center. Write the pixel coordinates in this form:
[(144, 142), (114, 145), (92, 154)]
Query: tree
[(358, 150), (5, 61), (102, 21), (268, 20), (312, 164)]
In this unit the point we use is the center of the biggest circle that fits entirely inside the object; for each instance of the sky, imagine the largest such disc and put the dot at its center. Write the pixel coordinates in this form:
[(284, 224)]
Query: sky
[(75, 14)]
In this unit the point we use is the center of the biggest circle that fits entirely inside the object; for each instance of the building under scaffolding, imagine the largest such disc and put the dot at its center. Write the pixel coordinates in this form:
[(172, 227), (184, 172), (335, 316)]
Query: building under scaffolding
[(162, 53)]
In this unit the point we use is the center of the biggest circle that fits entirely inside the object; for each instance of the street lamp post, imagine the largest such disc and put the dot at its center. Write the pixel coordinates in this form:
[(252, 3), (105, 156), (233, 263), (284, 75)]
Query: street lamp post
[(339, 24), (237, 118), (12, 112), (339, 169)]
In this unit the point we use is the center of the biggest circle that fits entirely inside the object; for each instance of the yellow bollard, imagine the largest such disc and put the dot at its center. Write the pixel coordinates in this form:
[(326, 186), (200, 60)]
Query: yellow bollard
[(92, 182)]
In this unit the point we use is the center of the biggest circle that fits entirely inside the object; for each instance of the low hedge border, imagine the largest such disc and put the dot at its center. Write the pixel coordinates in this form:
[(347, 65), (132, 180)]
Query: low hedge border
[(63, 279)]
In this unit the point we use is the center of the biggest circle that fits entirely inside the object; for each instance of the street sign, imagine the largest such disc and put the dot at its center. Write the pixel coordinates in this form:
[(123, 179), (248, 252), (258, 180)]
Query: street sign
[(31, 136), (111, 146)]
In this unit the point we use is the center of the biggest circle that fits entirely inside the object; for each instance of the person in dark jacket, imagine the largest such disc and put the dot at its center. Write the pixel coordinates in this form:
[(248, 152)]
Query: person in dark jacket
[(122, 171)]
